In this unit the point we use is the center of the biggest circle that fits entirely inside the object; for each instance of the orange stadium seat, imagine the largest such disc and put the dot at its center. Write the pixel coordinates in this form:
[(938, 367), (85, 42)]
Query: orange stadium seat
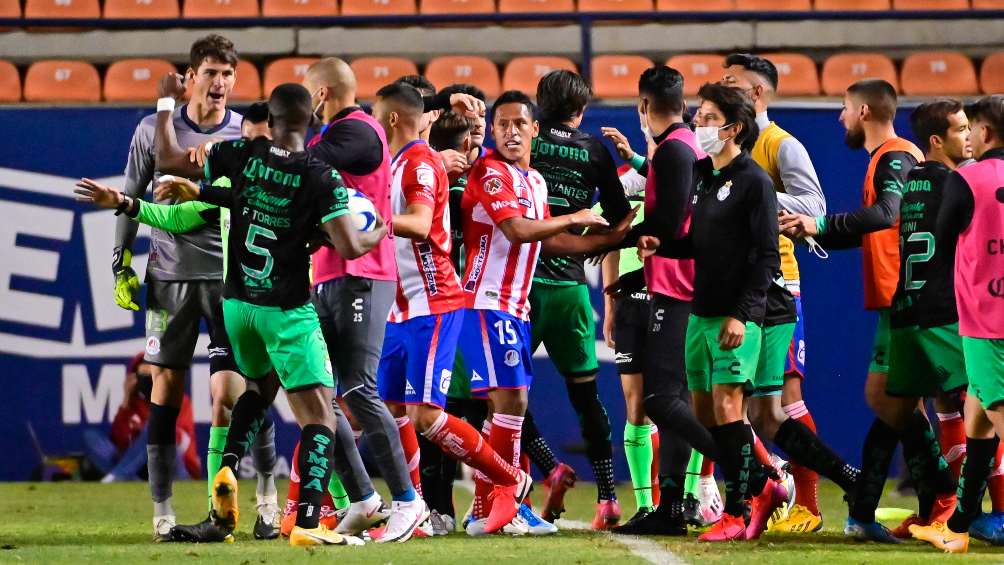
[(457, 6), (852, 5), (372, 73), (294, 8), (691, 6), (697, 70), (479, 71), (141, 9), (248, 85), (774, 5), (290, 69), (523, 73), (992, 73), (62, 9), (10, 83), (843, 69), (616, 76), (615, 5), (62, 81), (938, 73), (135, 80), (209, 9), (988, 4), (930, 4), (797, 75), (378, 7), (530, 6), (10, 8)]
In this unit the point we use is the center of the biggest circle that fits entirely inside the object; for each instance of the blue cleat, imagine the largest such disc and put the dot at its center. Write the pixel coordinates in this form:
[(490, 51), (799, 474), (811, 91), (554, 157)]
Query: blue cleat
[(538, 526), (869, 531), (989, 528)]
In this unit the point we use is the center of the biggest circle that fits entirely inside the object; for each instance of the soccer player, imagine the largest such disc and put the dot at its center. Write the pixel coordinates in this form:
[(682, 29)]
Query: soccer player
[(576, 167), (184, 275), (970, 225), (506, 225), (733, 239), (790, 168), (278, 195), (868, 112), (428, 90)]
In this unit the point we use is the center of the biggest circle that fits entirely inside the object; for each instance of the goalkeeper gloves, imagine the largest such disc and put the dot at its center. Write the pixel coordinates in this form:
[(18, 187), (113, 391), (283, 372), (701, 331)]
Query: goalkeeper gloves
[(126, 281)]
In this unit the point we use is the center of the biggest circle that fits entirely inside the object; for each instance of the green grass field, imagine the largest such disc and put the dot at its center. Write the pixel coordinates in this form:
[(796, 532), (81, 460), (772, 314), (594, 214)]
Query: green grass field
[(56, 523)]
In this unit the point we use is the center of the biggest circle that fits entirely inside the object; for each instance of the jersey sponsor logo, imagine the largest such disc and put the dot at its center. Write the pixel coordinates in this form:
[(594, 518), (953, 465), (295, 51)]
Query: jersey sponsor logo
[(408, 389), (218, 352), (493, 186), (996, 287), (995, 247), (424, 250), (501, 204), (444, 380), (152, 345), (511, 357), (801, 352), (525, 202), (724, 191), (490, 172), (476, 378), (278, 151), (622, 358), (256, 169), (542, 148), (478, 265), (561, 134), (425, 176)]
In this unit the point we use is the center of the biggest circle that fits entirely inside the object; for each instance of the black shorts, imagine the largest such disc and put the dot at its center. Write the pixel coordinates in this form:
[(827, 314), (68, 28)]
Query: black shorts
[(630, 330), (665, 363), (174, 310)]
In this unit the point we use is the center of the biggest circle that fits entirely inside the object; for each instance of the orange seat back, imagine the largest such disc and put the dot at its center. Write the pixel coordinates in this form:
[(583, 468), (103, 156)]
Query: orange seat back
[(62, 81), (844, 69), (208, 9), (532, 6), (295, 8), (992, 73), (930, 4), (10, 83), (10, 8), (796, 74), (697, 69), (378, 7), (692, 6), (938, 73), (523, 73), (852, 5), (774, 5), (135, 80), (988, 4), (478, 71), (290, 69), (248, 85), (616, 76), (141, 9), (615, 5), (62, 9), (457, 6), (373, 73)]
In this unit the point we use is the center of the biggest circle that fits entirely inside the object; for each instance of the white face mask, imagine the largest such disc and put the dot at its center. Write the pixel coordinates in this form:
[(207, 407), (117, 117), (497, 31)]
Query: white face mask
[(646, 129), (707, 138)]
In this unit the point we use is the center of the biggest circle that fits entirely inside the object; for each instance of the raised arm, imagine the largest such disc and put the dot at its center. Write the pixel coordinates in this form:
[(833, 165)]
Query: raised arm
[(171, 157)]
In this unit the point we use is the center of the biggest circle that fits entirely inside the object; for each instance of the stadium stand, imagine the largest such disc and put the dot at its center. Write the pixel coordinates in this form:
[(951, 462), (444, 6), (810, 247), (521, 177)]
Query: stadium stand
[(992, 73), (616, 76), (298, 8), (615, 5), (523, 73), (10, 82), (479, 71), (435, 7), (10, 9), (930, 4), (290, 69), (852, 5), (535, 6), (248, 85), (774, 5), (690, 6), (797, 73), (988, 4), (938, 72), (141, 9), (135, 80), (62, 9), (843, 69), (378, 7), (375, 72), (212, 9), (62, 81), (697, 70)]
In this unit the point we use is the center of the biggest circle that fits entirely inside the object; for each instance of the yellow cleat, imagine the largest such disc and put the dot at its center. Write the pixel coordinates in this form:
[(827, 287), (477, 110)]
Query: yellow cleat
[(225, 511), (799, 521), (320, 535), (938, 535)]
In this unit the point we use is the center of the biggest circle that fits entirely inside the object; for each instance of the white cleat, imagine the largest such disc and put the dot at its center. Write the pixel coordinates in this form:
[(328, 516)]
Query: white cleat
[(162, 527), (404, 519), (363, 515), (711, 505), (518, 527)]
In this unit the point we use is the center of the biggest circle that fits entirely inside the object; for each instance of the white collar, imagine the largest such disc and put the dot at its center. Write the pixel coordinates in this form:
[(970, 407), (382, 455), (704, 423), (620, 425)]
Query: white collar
[(762, 121)]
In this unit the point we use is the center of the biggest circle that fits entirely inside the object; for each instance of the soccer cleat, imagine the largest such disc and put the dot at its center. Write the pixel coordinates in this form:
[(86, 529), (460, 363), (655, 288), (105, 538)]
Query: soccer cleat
[(363, 515), (989, 527), (938, 535), (225, 511), (435, 525), (268, 523), (784, 476), (773, 496), (799, 521), (404, 519), (518, 527), (869, 531), (710, 501), (557, 482), (506, 501), (729, 528), (902, 531), (536, 525), (662, 521), (320, 535), (638, 516), (205, 531), (329, 517), (608, 513), (162, 527)]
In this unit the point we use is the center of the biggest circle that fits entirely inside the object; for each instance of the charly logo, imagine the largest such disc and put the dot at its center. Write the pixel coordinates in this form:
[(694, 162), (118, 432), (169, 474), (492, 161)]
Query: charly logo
[(724, 191), (996, 287)]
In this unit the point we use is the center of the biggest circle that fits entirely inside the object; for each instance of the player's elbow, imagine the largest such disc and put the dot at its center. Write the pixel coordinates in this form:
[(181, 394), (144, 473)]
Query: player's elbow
[(350, 249)]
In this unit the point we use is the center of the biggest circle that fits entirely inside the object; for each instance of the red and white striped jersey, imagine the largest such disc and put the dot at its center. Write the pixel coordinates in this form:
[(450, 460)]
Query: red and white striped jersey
[(427, 282), (499, 273)]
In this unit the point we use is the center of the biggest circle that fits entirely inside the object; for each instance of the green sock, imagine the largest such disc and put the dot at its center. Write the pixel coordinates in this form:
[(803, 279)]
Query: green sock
[(214, 456), (638, 450), (693, 472), (338, 494)]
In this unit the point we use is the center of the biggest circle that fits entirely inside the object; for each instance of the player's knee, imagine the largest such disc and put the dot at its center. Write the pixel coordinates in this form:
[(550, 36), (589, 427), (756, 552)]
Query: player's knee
[(423, 416)]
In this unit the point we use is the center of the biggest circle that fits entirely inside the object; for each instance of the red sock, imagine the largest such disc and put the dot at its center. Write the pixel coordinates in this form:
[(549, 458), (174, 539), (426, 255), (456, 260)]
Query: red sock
[(656, 493), (707, 468), (806, 480), (996, 483), (761, 453), (952, 437), (409, 441)]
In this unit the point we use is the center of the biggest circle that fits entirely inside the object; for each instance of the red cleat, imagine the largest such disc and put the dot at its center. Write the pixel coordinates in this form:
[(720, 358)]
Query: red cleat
[(902, 531), (505, 503), (773, 496), (608, 513), (729, 528), (944, 506), (560, 480)]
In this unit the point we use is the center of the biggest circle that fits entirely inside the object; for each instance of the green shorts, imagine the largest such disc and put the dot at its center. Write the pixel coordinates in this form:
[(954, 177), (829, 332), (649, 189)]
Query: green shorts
[(880, 349), (774, 348), (925, 361), (985, 366), (561, 317), (290, 341), (708, 365)]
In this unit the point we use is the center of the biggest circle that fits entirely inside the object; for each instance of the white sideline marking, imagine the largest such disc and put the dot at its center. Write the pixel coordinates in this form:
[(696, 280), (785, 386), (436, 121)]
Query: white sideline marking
[(646, 549)]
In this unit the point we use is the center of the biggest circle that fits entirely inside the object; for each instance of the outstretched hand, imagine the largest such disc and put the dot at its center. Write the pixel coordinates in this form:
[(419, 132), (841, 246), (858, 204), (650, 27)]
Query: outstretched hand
[(102, 196), (171, 85), (467, 105), (620, 142)]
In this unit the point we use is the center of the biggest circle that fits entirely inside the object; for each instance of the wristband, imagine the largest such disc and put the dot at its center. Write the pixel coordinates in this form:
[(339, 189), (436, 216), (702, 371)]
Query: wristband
[(820, 225), (166, 103), (637, 162), (124, 205)]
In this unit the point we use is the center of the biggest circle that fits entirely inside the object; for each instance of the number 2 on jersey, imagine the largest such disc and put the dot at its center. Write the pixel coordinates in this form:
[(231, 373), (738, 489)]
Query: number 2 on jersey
[(507, 334), (927, 238)]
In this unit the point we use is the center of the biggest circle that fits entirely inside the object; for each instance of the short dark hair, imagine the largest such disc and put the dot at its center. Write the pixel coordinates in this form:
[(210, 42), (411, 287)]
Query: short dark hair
[(289, 104), (514, 97), (256, 113), (213, 46), (449, 131), (931, 118), (423, 84), (464, 89), (879, 95), (562, 94), (754, 64), (737, 108), (404, 95), (990, 110), (664, 87)]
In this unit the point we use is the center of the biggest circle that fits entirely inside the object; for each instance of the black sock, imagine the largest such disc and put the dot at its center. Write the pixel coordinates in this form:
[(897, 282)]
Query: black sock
[(316, 450), (536, 447), (161, 424), (674, 415), (246, 419), (735, 450), (161, 451), (805, 448), (928, 469), (595, 426), (430, 466), (976, 471), (880, 444)]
